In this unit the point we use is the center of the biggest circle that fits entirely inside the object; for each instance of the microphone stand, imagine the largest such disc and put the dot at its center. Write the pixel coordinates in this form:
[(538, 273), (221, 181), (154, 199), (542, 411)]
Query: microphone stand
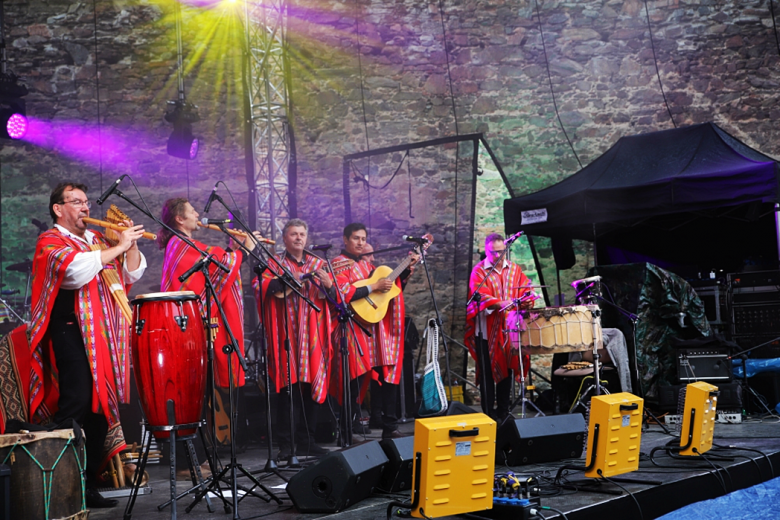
[(292, 283), (423, 252), (479, 348), (634, 319), (345, 316), (203, 265)]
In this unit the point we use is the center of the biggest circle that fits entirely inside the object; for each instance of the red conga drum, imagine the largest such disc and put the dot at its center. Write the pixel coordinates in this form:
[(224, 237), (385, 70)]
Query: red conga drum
[(169, 357)]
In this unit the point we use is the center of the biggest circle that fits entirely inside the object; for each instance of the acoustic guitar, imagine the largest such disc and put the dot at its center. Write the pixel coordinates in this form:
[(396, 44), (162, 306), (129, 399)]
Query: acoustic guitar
[(373, 308)]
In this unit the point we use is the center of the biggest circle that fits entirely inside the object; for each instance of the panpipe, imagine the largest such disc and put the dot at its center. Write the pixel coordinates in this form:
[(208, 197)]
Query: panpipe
[(114, 227), (234, 232)]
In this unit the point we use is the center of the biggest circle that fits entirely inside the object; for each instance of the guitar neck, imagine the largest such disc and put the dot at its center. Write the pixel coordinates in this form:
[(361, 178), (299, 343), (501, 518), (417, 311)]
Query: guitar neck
[(400, 269)]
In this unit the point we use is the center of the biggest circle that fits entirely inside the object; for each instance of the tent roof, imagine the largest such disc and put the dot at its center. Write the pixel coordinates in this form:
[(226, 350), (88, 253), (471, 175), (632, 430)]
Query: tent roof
[(661, 181)]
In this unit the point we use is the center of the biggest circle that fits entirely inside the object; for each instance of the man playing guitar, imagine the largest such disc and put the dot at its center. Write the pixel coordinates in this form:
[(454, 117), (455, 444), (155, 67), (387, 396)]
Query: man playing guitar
[(383, 351)]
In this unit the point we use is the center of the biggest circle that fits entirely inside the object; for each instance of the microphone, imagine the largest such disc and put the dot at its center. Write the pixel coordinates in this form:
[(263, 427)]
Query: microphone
[(218, 221), (9, 292), (514, 237), (211, 198), (111, 189), (590, 279), (320, 247), (307, 276), (419, 240)]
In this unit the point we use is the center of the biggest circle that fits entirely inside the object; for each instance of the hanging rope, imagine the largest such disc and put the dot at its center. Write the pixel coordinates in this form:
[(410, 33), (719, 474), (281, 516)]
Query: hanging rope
[(363, 108), (552, 91), (97, 95), (447, 56), (774, 24), (655, 60)]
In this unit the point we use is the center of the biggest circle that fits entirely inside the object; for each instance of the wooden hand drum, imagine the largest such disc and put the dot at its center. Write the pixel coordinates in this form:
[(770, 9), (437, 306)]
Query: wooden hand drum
[(553, 330)]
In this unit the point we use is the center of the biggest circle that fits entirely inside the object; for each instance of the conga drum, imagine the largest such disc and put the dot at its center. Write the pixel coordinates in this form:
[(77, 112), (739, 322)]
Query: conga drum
[(553, 330), (169, 357), (45, 474)]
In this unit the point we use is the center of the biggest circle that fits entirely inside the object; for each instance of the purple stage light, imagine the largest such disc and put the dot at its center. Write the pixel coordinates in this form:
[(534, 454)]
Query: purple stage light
[(16, 126), (194, 148)]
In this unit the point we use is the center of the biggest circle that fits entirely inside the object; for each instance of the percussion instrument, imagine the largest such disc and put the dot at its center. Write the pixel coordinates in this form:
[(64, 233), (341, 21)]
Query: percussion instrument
[(169, 357), (46, 480), (553, 330)]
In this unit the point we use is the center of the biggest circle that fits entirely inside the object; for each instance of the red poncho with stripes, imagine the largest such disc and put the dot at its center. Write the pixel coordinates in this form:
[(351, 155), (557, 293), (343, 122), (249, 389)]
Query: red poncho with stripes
[(385, 348), (179, 257), (308, 330), (104, 329), (500, 285)]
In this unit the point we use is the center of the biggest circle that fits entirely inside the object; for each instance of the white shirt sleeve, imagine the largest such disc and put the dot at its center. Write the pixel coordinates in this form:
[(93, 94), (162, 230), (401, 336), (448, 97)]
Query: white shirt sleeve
[(133, 276), (84, 267)]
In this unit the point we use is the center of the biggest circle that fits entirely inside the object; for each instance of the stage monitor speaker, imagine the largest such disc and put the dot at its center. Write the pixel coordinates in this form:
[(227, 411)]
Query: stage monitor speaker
[(338, 480), (397, 475), (540, 439), (458, 408)]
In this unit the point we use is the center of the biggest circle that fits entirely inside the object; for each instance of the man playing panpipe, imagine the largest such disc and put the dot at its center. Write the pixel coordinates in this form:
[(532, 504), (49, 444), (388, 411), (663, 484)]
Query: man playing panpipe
[(179, 214), (79, 334)]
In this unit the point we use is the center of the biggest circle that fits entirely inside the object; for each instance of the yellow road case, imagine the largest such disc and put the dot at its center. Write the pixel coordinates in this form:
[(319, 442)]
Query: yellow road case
[(698, 429), (456, 465), (618, 418)]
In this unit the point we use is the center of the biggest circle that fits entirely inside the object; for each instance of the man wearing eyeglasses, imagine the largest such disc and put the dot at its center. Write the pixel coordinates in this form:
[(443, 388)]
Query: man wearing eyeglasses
[(486, 323), (79, 337)]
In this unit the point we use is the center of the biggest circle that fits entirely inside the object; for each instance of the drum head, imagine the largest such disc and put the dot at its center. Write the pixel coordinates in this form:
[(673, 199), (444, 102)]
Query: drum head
[(178, 296)]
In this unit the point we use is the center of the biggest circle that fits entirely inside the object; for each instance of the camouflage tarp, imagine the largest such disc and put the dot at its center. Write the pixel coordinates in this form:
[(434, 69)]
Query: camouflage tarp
[(666, 306)]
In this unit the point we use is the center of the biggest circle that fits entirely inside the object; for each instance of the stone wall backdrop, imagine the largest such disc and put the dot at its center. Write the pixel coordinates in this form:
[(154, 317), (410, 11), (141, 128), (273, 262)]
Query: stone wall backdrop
[(368, 74)]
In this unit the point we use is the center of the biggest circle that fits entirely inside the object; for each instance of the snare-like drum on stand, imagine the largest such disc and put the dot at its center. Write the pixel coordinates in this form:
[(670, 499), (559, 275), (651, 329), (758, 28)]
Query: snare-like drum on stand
[(553, 330), (169, 357)]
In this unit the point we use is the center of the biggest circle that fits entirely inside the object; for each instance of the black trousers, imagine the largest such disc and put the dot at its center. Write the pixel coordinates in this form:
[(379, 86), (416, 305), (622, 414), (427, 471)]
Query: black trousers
[(384, 402), (491, 391), (76, 384), (306, 412)]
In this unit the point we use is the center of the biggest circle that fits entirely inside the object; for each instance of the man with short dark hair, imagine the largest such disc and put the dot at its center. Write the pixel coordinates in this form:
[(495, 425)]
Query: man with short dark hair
[(486, 323), (383, 351), (79, 337)]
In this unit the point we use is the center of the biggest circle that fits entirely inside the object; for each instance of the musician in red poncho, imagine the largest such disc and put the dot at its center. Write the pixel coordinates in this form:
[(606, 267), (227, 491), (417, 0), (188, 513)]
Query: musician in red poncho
[(384, 350), (179, 214), (78, 335), (485, 319), (308, 332)]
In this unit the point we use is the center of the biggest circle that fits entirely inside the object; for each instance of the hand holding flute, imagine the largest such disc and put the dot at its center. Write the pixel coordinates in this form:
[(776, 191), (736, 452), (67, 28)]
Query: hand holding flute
[(117, 227)]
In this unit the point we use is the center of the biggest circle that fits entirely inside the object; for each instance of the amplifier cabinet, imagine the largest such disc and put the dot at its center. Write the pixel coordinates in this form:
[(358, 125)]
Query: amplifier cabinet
[(703, 364)]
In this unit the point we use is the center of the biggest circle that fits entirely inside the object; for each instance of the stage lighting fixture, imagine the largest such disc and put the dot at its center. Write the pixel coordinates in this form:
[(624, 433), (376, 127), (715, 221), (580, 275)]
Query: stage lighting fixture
[(698, 419), (13, 111), (182, 143)]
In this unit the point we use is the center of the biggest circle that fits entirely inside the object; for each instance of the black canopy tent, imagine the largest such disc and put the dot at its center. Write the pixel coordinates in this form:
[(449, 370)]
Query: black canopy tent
[(691, 196)]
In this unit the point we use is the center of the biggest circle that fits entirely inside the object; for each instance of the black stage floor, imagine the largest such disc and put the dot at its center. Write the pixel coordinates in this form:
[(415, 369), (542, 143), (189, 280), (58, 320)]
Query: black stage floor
[(679, 486)]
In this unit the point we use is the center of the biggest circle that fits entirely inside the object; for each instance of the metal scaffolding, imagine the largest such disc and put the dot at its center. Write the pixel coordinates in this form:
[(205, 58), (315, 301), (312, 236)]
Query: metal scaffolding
[(267, 111)]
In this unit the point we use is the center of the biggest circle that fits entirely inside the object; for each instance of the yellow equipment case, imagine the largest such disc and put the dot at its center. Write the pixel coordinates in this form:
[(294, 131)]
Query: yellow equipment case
[(456, 455), (616, 426)]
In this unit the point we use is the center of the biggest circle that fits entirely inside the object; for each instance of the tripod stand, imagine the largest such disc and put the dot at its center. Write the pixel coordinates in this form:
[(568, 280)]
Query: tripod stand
[(749, 391), (522, 400)]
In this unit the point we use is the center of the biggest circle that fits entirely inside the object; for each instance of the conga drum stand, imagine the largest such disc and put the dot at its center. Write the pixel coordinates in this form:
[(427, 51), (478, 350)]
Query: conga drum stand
[(522, 400), (194, 467)]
